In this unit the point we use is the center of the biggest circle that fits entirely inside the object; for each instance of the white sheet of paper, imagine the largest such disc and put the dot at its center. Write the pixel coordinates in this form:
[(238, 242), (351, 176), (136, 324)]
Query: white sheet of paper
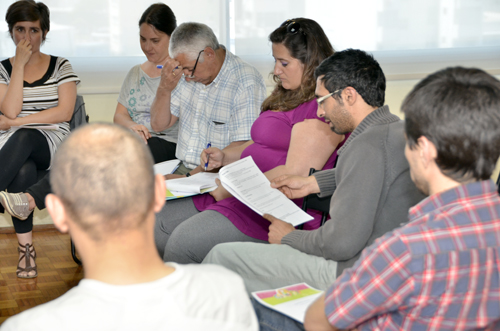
[(194, 183), (167, 167), (244, 180)]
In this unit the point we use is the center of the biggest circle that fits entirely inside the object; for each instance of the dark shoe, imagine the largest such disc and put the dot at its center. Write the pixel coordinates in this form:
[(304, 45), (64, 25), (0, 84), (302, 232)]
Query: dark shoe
[(16, 204), (28, 254)]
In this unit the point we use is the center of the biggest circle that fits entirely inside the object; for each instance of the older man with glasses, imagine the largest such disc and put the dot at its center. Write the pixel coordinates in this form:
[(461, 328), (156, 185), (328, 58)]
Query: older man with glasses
[(213, 93)]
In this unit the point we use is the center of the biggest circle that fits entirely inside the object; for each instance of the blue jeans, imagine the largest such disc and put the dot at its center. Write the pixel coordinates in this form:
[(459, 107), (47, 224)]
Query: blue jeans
[(271, 320)]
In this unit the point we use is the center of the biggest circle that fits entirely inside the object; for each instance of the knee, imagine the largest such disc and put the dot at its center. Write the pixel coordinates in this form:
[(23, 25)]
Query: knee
[(26, 176), (23, 137), (180, 249), (214, 255), (220, 254)]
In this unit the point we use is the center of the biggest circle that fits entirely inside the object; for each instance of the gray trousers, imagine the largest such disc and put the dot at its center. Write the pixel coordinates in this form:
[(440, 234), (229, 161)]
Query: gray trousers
[(265, 266), (185, 235)]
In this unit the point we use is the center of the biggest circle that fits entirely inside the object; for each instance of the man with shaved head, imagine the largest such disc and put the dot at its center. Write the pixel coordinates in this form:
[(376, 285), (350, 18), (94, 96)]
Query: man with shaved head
[(105, 196)]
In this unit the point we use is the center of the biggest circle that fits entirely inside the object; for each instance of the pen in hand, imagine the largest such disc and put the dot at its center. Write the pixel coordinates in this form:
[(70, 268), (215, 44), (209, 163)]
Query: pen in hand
[(208, 156)]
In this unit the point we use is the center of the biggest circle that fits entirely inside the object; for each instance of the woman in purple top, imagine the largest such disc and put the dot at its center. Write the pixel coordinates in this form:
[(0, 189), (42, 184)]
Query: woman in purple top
[(287, 138)]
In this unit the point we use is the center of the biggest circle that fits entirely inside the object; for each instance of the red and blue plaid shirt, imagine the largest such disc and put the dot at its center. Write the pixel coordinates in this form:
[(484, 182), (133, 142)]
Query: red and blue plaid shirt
[(441, 271)]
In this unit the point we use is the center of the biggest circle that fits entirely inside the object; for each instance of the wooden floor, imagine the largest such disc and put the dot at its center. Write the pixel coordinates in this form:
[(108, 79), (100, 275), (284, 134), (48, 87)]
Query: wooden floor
[(57, 272)]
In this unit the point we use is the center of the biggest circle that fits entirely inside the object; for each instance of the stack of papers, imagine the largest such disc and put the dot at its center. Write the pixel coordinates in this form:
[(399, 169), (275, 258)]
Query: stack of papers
[(200, 183), (291, 301), (244, 180)]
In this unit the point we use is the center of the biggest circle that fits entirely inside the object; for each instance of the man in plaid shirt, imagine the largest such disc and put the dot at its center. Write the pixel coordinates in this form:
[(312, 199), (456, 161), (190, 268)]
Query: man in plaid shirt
[(441, 271)]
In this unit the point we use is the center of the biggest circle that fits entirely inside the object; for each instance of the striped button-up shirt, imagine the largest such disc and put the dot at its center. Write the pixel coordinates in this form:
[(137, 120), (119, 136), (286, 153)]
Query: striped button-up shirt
[(220, 113), (438, 272)]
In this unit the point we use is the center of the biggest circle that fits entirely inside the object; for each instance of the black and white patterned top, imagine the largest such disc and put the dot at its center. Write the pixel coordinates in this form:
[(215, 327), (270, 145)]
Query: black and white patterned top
[(40, 95)]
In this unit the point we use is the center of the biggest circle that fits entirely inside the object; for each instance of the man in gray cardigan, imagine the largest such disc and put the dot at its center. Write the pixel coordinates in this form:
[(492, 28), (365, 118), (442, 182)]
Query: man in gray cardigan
[(371, 185)]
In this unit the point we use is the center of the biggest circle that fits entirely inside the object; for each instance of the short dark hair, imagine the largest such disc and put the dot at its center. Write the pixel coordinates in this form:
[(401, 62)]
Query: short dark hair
[(161, 17), (458, 110), (357, 69), (103, 175), (30, 11)]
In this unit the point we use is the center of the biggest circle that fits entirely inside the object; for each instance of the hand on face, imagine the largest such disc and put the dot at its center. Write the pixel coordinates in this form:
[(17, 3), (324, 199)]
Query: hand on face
[(170, 74), (23, 52)]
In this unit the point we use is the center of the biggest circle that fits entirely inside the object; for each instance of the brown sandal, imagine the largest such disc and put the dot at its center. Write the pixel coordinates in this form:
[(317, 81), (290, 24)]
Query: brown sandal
[(28, 254)]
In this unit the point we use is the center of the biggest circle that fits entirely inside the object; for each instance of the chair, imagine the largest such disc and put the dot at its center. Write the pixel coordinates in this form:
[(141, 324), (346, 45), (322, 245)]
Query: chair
[(312, 201), (498, 183), (79, 117)]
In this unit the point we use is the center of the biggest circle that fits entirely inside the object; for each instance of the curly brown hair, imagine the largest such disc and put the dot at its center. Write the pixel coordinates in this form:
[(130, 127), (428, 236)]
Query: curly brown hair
[(307, 43)]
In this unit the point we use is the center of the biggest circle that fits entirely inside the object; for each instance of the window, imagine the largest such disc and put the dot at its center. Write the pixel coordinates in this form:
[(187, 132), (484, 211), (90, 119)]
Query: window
[(409, 38)]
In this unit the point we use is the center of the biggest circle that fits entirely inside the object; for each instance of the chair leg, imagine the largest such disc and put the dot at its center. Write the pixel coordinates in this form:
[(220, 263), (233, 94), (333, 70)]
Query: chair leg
[(73, 253)]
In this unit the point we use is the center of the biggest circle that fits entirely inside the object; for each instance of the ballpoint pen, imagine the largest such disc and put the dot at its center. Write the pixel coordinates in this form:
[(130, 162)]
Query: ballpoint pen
[(159, 66), (208, 156)]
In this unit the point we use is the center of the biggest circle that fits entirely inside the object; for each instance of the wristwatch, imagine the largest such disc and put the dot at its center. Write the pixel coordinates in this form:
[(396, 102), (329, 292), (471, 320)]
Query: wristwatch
[(188, 174)]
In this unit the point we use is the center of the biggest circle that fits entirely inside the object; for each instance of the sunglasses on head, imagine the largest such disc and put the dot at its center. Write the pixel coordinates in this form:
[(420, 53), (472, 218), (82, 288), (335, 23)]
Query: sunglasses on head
[(293, 27)]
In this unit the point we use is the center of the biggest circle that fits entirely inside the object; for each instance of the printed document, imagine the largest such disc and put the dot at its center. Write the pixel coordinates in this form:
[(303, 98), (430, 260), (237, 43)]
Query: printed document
[(244, 180), (291, 301)]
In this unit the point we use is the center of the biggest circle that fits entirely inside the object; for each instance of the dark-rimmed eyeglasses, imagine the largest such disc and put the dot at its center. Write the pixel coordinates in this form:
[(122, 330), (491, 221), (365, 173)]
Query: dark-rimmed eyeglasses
[(293, 27), (195, 64), (323, 98)]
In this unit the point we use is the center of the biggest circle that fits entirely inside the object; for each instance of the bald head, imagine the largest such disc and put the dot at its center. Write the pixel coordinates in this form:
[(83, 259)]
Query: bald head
[(104, 176)]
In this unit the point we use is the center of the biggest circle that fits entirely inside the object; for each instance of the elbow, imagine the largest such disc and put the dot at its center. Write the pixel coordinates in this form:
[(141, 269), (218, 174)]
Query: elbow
[(68, 117), (11, 115), (156, 127)]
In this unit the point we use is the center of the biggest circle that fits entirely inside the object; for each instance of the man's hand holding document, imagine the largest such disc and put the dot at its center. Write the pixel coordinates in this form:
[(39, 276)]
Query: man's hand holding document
[(244, 180)]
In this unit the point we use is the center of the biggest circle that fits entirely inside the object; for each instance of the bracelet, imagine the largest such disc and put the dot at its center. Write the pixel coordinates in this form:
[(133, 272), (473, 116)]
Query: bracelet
[(188, 174)]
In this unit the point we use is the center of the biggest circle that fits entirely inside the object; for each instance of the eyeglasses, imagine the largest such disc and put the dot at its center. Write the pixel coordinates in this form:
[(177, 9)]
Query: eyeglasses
[(293, 27), (323, 98), (195, 64)]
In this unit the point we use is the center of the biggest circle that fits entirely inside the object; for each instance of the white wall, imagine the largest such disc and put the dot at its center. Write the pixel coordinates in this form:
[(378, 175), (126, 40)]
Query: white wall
[(101, 107)]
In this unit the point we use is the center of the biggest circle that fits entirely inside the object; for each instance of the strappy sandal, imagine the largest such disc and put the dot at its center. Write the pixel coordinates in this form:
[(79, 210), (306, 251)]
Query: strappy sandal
[(28, 254)]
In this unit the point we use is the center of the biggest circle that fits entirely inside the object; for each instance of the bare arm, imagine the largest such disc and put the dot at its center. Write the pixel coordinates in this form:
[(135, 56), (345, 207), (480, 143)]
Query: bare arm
[(123, 118), (62, 113), (311, 145), (11, 96), (161, 116)]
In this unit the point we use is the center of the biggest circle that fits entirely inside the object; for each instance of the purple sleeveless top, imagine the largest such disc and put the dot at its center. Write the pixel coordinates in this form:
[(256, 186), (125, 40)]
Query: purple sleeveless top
[(271, 133)]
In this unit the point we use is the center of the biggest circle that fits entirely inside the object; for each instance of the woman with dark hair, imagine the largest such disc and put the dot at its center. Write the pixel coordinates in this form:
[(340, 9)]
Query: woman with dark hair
[(139, 87), (287, 138), (34, 88)]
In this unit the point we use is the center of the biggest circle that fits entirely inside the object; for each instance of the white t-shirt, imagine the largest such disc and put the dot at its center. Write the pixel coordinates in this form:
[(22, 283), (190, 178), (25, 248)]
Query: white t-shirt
[(193, 297)]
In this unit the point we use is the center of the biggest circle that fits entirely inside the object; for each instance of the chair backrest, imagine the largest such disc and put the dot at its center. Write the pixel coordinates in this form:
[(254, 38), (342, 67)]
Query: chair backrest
[(79, 114), (79, 117), (498, 183), (312, 201)]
